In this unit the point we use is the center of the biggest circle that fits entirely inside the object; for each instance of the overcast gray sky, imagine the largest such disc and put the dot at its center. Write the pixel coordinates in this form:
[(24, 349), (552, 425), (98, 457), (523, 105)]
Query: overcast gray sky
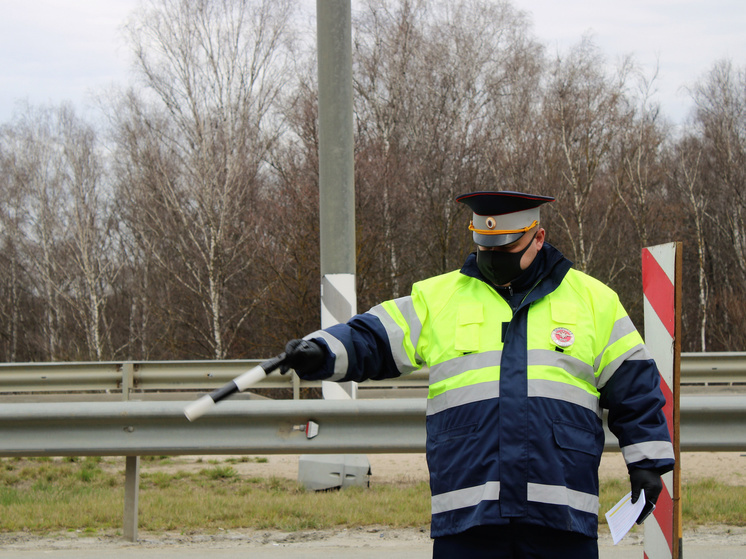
[(682, 38), (65, 50)]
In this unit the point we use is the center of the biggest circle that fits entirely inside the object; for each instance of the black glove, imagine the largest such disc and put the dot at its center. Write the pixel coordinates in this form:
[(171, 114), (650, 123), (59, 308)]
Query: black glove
[(650, 481), (305, 356)]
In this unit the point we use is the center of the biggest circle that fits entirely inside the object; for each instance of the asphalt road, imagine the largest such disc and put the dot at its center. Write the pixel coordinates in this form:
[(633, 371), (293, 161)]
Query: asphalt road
[(300, 551)]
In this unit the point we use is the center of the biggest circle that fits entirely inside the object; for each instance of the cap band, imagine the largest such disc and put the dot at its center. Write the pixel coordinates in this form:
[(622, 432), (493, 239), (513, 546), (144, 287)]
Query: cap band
[(501, 231)]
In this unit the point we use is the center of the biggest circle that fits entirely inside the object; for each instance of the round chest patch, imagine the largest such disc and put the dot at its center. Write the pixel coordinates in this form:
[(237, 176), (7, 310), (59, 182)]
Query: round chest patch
[(562, 337)]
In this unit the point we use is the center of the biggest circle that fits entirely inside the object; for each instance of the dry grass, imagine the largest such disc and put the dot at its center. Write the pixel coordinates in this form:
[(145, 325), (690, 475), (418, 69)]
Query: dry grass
[(42, 495)]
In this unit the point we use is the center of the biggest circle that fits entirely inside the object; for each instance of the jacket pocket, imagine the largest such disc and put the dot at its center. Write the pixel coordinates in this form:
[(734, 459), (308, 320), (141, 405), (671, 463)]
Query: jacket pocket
[(455, 433), (578, 456), (469, 319), (563, 312), (572, 437)]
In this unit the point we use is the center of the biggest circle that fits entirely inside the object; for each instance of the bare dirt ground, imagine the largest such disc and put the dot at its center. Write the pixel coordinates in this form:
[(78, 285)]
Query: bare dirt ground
[(727, 467)]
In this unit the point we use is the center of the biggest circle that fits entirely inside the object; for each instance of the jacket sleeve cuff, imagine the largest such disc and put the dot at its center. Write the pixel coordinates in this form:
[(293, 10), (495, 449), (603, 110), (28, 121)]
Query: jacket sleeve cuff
[(656, 455)]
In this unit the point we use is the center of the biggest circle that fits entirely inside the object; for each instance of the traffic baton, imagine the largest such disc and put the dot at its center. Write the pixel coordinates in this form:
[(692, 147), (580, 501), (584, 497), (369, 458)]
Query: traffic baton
[(199, 407)]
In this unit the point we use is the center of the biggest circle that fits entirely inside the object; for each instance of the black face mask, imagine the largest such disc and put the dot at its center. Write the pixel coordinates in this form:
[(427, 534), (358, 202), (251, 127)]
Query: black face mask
[(501, 267)]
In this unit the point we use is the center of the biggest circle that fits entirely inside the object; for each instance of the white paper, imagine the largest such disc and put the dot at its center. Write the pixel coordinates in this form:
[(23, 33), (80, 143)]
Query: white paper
[(622, 516)]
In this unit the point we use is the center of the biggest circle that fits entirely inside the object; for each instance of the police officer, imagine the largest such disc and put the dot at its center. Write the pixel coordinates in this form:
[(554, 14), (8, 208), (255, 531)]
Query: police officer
[(524, 353)]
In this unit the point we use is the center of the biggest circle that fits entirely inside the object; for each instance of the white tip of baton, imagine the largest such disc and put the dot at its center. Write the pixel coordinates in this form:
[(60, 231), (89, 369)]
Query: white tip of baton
[(198, 408), (250, 378)]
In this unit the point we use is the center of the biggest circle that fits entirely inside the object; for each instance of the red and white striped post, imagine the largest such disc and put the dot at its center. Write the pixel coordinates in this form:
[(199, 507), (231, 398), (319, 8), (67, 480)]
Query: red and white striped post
[(661, 285)]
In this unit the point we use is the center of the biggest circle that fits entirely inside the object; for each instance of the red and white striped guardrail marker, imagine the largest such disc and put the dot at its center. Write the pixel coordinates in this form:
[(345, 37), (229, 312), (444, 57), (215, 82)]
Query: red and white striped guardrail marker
[(661, 285)]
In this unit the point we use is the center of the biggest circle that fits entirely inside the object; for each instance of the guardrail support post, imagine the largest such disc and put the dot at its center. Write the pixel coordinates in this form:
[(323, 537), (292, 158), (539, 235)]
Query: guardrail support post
[(131, 494), (128, 380), (132, 466)]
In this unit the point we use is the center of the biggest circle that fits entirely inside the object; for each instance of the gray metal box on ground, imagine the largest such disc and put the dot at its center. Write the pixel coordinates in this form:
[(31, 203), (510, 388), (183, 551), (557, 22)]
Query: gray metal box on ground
[(318, 472)]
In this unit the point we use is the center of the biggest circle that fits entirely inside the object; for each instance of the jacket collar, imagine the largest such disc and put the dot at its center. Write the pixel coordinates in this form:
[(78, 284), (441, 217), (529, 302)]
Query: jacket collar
[(548, 270)]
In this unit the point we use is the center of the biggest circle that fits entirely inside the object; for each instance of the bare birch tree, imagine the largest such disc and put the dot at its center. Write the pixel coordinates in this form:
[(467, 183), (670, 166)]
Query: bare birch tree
[(60, 220), (34, 165), (685, 175), (213, 71), (639, 167), (429, 79), (583, 108), (89, 236), (12, 213), (720, 118), (721, 113), (387, 38)]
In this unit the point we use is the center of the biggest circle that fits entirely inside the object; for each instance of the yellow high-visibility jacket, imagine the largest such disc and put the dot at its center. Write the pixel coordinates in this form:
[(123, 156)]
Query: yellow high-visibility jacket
[(514, 414)]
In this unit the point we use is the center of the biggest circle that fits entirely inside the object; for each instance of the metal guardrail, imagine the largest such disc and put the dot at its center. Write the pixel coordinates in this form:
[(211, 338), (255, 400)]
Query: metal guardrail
[(232, 427), (134, 429), (708, 423), (154, 376), (713, 367), (113, 375)]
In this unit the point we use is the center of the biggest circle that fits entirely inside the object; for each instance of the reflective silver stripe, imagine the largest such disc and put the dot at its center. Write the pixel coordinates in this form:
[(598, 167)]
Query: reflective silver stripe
[(463, 395), (651, 450), (396, 340), (572, 365), (468, 497), (406, 308), (341, 360), (538, 388), (559, 495), (566, 392), (621, 328), (463, 363), (637, 353), (537, 493)]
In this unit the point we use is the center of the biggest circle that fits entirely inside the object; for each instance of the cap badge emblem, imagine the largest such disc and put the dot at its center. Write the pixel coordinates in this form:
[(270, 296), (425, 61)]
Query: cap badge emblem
[(490, 223), (562, 337)]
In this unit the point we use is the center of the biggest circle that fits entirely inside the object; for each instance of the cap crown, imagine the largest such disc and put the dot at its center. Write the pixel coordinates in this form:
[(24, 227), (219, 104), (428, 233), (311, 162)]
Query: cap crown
[(502, 217)]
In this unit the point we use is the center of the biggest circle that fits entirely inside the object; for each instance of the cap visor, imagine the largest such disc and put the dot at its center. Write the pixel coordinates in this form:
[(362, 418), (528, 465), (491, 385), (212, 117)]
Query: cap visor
[(496, 240)]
